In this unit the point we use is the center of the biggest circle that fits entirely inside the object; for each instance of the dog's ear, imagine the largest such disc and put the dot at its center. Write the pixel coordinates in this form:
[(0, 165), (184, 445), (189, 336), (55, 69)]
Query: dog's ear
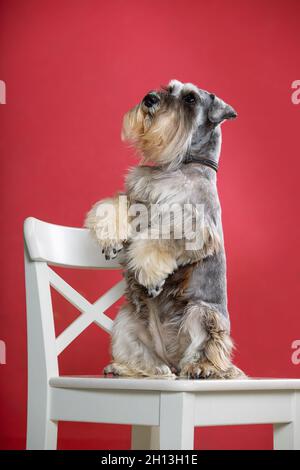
[(219, 110)]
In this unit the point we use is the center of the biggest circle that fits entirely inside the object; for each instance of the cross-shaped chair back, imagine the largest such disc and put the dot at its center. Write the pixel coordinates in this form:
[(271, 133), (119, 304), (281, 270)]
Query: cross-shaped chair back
[(47, 244)]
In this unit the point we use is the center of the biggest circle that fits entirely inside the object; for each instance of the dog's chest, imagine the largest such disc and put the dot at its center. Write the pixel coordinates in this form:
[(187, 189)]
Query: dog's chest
[(151, 186)]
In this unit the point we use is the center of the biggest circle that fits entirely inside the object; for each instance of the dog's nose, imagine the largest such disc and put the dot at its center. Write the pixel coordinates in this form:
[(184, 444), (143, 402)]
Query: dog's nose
[(150, 100)]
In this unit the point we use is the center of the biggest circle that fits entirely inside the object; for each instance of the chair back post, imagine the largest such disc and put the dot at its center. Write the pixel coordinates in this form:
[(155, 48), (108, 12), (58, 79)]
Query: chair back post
[(45, 244), (42, 355), (41, 345), (48, 244)]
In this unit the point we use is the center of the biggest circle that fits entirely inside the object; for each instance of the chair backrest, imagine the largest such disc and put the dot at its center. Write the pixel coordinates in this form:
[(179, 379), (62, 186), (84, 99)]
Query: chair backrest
[(47, 244)]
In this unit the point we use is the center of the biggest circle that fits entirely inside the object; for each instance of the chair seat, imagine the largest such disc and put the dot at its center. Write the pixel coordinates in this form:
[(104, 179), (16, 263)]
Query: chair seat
[(172, 385)]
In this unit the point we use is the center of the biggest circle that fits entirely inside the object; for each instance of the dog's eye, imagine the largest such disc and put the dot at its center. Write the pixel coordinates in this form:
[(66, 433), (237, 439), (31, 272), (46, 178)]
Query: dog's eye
[(190, 98)]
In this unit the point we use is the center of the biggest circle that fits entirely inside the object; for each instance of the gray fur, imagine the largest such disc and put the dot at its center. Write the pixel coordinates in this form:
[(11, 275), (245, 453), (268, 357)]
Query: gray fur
[(185, 328)]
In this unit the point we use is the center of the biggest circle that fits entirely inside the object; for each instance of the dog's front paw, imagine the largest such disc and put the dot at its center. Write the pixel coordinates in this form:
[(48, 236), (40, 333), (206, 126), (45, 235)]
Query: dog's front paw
[(111, 249), (154, 291)]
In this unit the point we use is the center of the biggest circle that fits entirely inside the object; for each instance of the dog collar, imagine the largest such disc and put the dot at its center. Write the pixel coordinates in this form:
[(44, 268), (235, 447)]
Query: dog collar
[(204, 161)]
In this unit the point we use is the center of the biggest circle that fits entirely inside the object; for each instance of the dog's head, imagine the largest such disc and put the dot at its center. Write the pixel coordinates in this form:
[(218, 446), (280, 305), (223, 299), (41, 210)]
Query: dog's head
[(177, 120)]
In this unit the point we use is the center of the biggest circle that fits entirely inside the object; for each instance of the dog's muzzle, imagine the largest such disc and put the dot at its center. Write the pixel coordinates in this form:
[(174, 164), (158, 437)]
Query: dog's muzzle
[(150, 100)]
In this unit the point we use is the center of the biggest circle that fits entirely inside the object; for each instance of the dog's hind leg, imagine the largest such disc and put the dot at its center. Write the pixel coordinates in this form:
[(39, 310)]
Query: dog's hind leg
[(210, 356), (131, 348)]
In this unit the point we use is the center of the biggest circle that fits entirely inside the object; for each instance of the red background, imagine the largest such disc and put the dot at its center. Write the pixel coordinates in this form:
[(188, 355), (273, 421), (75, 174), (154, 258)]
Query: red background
[(72, 68)]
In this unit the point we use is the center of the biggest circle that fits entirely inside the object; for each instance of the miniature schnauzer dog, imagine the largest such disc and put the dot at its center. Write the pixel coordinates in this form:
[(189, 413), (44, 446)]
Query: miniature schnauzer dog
[(175, 319)]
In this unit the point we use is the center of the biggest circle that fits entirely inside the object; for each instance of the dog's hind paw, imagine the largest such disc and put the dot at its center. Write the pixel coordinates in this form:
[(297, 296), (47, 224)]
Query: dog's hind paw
[(206, 370), (159, 371), (154, 291), (163, 371), (117, 369), (194, 371), (110, 369)]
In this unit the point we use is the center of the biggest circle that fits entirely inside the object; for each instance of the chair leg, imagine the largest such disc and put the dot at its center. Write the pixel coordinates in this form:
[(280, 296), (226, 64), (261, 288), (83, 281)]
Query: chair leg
[(45, 440), (41, 431), (145, 438), (287, 435), (283, 436), (176, 421)]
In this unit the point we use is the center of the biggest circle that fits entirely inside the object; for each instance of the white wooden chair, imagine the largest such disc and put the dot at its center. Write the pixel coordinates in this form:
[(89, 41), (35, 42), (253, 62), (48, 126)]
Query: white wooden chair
[(163, 413)]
